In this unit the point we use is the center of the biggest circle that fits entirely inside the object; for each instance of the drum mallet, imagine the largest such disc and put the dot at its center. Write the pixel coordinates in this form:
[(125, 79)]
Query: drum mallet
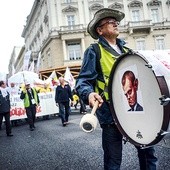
[(89, 121)]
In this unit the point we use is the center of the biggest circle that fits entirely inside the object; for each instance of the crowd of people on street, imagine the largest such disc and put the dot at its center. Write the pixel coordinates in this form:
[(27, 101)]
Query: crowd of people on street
[(63, 96)]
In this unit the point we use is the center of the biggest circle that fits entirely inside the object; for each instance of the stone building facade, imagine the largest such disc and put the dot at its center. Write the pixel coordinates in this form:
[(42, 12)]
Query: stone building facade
[(56, 29)]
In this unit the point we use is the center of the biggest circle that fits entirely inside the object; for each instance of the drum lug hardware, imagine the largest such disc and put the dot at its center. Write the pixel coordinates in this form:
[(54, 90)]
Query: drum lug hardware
[(148, 65), (162, 132), (124, 140), (114, 121), (142, 146), (131, 51), (164, 100)]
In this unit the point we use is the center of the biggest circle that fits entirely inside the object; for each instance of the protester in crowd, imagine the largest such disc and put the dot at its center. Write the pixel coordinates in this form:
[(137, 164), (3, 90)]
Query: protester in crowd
[(62, 98), (55, 83), (5, 107), (92, 86), (31, 101), (75, 98), (46, 88), (12, 89)]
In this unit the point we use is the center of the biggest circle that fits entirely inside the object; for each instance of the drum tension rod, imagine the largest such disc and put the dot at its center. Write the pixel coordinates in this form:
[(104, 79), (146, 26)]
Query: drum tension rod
[(164, 100)]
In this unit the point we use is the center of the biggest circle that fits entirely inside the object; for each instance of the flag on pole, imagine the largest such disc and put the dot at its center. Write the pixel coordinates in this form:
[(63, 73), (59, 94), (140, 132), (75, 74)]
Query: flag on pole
[(69, 78), (53, 76)]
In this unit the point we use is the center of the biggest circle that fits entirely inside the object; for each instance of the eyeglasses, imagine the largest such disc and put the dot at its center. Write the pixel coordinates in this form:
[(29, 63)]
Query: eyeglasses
[(113, 22)]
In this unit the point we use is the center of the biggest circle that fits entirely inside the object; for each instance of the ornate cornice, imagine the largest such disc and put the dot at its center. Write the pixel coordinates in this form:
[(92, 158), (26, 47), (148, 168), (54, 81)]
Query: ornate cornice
[(168, 2), (116, 5), (69, 8), (154, 3), (95, 7), (135, 4)]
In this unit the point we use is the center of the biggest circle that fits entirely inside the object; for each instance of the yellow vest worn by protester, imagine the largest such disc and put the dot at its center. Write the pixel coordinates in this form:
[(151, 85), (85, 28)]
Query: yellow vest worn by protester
[(26, 99), (107, 60)]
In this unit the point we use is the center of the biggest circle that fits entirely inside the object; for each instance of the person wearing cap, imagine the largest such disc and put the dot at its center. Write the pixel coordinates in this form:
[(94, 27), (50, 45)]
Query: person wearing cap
[(92, 84), (31, 101)]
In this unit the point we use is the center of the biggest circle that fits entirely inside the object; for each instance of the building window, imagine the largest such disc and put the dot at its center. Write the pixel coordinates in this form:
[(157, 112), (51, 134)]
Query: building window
[(135, 15), (71, 21), (160, 43), (155, 15), (140, 44), (42, 61), (74, 51), (49, 58)]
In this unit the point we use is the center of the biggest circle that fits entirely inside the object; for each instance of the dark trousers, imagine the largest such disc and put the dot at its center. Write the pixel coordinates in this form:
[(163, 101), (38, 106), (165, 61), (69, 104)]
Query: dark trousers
[(82, 106), (147, 158), (31, 112), (6, 115), (64, 110), (112, 146)]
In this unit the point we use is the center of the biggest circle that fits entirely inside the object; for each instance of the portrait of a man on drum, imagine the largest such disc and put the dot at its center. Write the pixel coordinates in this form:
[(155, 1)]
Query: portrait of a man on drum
[(130, 88)]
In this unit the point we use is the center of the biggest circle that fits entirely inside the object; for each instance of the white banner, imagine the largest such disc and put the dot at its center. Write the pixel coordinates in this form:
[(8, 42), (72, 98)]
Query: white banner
[(47, 106), (159, 60)]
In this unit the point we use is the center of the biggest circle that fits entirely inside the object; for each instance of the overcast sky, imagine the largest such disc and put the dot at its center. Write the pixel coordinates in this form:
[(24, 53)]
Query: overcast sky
[(13, 14)]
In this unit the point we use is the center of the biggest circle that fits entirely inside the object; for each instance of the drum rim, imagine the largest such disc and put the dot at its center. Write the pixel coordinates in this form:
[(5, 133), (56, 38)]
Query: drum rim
[(164, 91)]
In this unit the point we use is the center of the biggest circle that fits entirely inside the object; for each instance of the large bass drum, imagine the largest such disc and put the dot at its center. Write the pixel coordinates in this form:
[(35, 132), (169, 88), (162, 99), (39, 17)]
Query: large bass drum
[(141, 109)]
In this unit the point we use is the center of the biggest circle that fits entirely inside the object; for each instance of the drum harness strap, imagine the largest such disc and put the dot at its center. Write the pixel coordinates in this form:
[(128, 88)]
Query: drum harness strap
[(105, 60)]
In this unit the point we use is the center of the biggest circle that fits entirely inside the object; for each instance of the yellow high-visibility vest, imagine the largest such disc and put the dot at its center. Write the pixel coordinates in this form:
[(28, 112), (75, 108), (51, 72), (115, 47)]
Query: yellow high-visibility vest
[(107, 61)]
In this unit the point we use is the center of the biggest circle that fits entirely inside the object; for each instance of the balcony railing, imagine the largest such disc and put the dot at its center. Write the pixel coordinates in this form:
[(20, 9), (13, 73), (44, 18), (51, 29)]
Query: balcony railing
[(139, 23), (71, 28), (138, 26), (69, 2), (162, 24), (95, 0)]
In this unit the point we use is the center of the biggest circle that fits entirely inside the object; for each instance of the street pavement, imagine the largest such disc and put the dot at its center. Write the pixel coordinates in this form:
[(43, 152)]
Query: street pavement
[(54, 147)]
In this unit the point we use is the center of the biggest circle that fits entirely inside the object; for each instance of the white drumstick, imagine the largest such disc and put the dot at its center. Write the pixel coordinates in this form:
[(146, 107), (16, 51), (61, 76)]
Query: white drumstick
[(89, 121), (96, 104)]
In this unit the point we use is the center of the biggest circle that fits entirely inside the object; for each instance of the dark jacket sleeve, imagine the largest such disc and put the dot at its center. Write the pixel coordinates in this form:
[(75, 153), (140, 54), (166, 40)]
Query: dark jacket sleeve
[(70, 93), (86, 80), (56, 95), (4, 103), (38, 99), (22, 96)]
